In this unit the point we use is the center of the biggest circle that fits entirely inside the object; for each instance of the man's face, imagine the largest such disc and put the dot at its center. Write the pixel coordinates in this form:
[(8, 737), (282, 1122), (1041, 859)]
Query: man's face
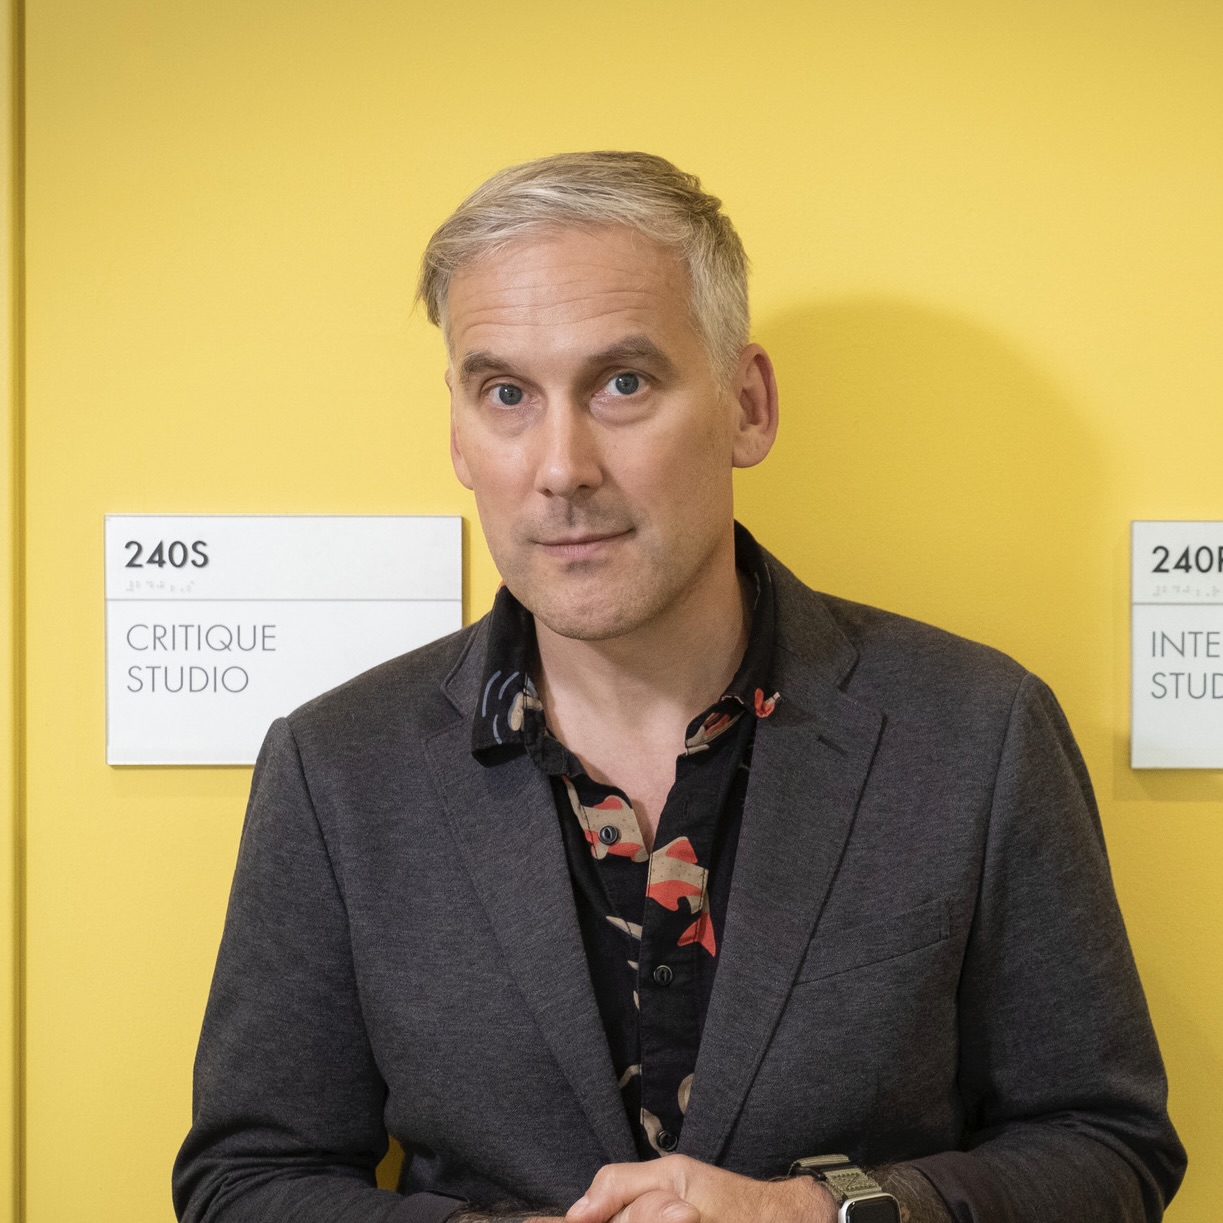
[(587, 420)]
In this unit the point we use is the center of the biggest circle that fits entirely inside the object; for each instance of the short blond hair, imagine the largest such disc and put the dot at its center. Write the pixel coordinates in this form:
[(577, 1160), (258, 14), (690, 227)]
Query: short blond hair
[(591, 190)]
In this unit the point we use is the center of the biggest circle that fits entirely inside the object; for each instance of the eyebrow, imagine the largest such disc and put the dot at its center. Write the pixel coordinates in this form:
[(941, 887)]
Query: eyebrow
[(631, 350), (480, 362)]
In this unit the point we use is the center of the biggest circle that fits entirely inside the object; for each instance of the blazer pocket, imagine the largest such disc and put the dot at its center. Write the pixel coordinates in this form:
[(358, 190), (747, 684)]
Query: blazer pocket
[(843, 947)]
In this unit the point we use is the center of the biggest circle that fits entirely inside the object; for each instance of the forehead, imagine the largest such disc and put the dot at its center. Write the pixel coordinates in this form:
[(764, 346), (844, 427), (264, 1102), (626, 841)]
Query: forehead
[(565, 286)]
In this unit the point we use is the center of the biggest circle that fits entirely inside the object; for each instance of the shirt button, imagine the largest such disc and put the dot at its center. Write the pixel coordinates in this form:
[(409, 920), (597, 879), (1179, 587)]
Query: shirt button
[(663, 975), (666, 1140), (609, 834)]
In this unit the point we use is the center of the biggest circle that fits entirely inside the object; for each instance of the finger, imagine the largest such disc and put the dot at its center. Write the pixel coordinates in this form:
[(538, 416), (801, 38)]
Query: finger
[(617, 1186), (658, 1206)]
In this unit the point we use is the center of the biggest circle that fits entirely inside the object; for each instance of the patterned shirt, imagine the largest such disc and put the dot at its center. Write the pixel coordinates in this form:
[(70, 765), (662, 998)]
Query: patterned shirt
[(651, 921)]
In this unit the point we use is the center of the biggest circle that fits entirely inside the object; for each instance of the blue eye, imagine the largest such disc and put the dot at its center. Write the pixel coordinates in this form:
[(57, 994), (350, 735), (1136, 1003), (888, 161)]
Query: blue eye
[(508, 395), (626, 384)]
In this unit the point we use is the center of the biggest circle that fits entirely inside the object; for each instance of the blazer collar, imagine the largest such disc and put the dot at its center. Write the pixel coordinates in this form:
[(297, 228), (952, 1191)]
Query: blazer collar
[(809, 640)]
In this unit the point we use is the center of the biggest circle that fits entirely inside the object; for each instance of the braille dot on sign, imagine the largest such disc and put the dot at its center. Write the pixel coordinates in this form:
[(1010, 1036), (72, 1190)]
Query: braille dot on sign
[(667, 1141), (609, 834), (663, 975)]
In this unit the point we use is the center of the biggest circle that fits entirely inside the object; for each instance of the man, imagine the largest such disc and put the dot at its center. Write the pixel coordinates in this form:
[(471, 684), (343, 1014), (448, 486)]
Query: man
[(668, 874)]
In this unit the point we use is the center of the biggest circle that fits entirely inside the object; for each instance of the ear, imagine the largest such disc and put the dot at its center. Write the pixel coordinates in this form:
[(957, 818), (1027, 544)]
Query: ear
[(755, 390), (456, 450)]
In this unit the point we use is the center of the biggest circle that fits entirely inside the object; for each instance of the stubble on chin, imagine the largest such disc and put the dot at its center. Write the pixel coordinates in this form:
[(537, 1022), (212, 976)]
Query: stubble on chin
[(594, 618)]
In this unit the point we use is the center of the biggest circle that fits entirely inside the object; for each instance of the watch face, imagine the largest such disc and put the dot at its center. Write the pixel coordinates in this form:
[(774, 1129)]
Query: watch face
[(873, 1210)]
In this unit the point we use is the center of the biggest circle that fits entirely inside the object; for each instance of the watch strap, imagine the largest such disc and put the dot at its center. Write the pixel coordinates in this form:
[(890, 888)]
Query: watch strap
[(844, 1180)]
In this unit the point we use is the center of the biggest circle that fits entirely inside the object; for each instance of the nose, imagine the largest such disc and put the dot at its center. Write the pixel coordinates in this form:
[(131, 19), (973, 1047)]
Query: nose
[(569, 460)]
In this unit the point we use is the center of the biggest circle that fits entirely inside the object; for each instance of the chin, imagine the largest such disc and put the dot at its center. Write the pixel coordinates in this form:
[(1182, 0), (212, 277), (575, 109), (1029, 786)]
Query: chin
[(578, 625), (580, 609), (594, 619)]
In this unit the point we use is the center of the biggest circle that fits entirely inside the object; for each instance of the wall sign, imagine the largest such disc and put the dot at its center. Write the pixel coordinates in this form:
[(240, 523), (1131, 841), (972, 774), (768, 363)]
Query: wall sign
[(216, 625), (1176, 711)]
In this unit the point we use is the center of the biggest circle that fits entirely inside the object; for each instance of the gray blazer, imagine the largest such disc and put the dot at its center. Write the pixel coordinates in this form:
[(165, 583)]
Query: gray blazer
[(923, 957)]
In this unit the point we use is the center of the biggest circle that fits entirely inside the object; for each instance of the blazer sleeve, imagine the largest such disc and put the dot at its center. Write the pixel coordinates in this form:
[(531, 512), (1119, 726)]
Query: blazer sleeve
[(287, 1116), (1059, 1068)]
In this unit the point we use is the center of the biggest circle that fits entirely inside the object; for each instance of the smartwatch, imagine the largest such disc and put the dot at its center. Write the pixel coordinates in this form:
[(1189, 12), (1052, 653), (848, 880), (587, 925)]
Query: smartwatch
[(859, 1199)]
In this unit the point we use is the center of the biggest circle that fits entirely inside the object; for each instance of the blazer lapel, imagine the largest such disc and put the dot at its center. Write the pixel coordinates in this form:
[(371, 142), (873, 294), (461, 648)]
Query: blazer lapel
[(809, 766), (504, 820)]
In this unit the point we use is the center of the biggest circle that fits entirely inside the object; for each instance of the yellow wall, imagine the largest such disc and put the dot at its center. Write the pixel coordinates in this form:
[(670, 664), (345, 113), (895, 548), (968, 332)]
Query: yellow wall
[(988, 259)]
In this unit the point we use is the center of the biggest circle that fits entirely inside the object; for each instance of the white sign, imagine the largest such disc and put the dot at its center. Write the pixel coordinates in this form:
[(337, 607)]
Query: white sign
[(216, 625), (1176, 711)]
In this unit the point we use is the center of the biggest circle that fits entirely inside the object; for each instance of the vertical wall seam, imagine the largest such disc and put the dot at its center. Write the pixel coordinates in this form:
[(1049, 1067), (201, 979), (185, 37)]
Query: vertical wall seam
[(18, 610)]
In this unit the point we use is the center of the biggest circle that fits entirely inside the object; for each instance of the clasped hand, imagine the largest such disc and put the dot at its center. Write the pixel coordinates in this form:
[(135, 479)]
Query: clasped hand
[(677, 1189)]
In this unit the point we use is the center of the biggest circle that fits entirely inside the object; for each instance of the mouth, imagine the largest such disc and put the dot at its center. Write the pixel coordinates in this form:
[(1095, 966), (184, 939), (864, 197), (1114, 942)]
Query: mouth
[(583, 545)]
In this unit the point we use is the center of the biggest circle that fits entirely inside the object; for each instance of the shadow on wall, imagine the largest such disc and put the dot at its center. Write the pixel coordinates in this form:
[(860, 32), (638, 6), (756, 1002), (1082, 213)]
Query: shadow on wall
[(927, 467)]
